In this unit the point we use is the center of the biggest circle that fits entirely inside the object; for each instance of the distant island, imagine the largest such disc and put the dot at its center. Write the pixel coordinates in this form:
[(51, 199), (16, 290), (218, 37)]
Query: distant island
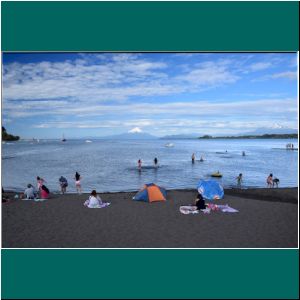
[(8, 137), (263, 136)]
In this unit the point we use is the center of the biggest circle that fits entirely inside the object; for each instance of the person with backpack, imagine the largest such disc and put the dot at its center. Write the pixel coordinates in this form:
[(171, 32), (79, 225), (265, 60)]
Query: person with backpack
[(63, 182)]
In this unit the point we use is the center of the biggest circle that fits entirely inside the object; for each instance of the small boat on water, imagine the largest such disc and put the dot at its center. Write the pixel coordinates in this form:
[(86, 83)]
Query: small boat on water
[(88, 141), (169, 145), (217, 174), (63, 138)]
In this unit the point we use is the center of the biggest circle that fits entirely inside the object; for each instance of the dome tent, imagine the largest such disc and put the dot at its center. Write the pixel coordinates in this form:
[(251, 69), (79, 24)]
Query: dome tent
[(210, 189), (151, 193)]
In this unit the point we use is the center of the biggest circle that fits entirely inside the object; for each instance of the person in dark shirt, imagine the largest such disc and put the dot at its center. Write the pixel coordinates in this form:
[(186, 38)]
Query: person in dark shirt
[(63, 182), (199, 202)]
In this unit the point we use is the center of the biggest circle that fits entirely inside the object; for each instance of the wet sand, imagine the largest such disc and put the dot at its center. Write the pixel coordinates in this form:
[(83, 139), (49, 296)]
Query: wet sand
[(267, 218)]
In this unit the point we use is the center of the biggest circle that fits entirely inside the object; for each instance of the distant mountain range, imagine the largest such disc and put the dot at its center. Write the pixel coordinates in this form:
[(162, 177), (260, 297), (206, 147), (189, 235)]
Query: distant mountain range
[(260, 131), (147, 136)]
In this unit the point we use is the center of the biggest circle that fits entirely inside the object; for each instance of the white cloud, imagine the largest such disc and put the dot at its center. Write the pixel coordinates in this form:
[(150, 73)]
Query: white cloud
[(209, 74), (288, 75), (291, 75), (260, 66)]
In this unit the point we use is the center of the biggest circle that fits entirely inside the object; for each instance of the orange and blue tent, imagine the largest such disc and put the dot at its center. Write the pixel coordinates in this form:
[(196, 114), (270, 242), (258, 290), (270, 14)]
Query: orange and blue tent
[(151, 193)]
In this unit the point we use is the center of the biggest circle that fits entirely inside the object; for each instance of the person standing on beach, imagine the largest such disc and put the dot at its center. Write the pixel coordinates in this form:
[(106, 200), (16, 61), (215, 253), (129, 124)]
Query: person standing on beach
[(239, 180), (63, 182), (155, 162), (40, 183), (140, 165), (78, 183), (193, 157), (270, 181)]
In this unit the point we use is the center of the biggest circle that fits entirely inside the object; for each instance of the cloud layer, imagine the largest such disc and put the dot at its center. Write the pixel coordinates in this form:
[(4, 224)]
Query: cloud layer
[(165, 91)]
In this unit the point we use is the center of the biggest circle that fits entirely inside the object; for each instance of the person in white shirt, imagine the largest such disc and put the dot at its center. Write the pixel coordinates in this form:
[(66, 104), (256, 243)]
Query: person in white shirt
[(94, 200), (29, 192)]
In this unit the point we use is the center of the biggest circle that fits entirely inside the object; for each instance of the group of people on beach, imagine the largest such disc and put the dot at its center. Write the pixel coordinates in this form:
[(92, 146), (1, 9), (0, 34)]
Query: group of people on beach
[(43, 192)]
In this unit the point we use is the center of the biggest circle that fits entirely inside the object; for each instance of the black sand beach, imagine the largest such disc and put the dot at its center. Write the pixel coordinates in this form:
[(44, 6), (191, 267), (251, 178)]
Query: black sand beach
[(267, 218)]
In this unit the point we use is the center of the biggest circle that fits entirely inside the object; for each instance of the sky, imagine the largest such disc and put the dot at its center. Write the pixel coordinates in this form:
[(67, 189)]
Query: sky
[(46, 95)]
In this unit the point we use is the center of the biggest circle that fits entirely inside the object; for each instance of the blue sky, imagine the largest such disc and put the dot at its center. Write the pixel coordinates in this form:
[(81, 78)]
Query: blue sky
[(99, 94)]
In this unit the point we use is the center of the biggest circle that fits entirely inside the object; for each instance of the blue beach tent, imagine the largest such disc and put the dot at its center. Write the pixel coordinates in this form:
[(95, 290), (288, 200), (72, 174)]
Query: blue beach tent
[(151, 193), (210, 189)]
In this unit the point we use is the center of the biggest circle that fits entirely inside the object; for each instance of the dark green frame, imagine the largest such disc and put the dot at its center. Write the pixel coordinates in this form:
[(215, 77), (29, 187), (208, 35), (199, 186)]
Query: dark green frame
[(150, 26)]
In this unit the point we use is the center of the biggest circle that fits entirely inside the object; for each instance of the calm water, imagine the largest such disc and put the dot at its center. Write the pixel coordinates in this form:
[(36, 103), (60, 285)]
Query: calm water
[(108, 165)]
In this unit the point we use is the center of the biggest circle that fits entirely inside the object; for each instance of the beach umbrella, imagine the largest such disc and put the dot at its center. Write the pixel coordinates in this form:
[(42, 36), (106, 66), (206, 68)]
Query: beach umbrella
[(151, 193), (210, 189)]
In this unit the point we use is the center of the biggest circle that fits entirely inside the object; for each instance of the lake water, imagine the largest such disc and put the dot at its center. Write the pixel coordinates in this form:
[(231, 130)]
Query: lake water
[(110, 165)]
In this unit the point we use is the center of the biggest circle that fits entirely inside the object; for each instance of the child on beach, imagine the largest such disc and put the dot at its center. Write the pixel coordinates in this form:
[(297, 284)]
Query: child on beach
[(239, 180), (29, 192), (78, 183), (270, 181), (63, 182)]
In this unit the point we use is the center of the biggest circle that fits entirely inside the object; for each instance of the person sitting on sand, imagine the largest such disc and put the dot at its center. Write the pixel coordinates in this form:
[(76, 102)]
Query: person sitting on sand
[(239, 180), (29, 192), (78, 183), (44, 192), (270, 181), (199, 202), (4, 198), (63, 182), (95, 201)]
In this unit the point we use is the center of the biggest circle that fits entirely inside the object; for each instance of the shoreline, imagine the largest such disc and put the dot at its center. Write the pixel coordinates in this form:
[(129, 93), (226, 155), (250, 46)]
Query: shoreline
[(264, 194)]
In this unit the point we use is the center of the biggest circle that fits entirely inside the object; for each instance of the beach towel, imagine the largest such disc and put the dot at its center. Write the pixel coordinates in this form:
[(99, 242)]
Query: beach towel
[(226, 208), (186, 210)]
